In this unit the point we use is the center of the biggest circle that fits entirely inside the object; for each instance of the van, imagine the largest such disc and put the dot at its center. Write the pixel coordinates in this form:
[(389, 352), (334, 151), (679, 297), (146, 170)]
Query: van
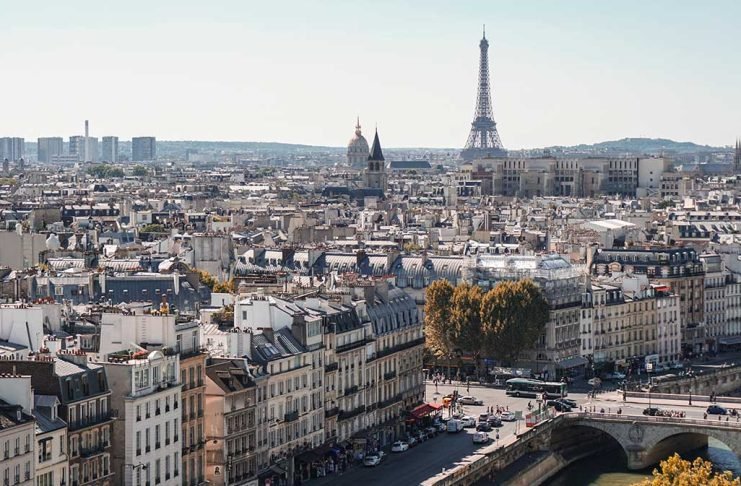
[(484, 417), (480, 438), (455, 425)]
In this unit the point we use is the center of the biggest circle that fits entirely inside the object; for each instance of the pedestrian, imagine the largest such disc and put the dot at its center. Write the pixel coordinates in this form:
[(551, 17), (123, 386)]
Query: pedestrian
[(705, 415)]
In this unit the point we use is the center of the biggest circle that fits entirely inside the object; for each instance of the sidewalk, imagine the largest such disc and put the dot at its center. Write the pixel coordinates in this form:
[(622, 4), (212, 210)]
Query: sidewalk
[(682, 401)]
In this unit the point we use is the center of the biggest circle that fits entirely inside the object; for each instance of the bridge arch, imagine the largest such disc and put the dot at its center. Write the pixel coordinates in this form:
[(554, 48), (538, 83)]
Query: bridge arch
[(574, 441), (685, 439)]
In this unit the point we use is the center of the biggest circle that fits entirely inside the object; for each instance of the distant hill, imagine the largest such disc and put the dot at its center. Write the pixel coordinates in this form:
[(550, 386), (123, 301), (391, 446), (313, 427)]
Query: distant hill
[(641, 145)]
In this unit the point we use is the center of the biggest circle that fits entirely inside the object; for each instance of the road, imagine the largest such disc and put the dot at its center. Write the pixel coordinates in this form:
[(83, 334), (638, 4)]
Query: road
[(444, 451)]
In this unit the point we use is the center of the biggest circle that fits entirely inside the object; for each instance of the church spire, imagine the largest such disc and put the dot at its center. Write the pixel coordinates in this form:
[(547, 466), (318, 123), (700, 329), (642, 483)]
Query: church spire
[(375, 152), (357, 127)]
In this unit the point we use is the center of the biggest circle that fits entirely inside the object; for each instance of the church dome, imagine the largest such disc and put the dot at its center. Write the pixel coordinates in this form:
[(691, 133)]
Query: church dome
[(358, 144)]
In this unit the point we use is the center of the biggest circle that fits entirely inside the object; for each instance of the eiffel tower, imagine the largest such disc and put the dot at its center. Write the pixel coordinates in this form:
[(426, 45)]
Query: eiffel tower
[(484, 139)]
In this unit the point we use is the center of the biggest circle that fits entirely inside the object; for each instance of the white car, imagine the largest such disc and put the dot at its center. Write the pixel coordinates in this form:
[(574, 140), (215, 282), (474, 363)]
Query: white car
[(468, 422), (507, 417), (372, 460), (399, 446), (469, 400), (480, 438)]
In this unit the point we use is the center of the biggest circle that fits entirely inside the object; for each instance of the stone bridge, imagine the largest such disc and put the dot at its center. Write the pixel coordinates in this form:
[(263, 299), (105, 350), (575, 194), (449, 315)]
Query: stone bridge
[(648, 440), (571, 436)]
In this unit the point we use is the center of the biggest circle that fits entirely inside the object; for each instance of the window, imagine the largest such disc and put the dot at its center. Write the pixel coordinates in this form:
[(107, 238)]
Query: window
[(138, 413), (138, 442)]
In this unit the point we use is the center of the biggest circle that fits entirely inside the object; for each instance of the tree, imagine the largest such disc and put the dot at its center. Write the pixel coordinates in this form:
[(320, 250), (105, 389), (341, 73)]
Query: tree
[(438, 330), (207, 279), (139, 171), (513, 316), (677, 471), (465, 318), (105, 171), (225, 287), (153, 228)]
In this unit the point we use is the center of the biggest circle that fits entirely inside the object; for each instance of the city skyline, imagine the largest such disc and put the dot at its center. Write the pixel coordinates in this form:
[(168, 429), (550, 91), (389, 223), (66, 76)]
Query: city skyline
[(579, 73)]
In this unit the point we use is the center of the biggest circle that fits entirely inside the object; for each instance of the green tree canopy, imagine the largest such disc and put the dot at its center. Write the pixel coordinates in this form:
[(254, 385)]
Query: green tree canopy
[(675, 471), (105, 171), (139, 170), (465, 319), (438, 330), (513, 315)]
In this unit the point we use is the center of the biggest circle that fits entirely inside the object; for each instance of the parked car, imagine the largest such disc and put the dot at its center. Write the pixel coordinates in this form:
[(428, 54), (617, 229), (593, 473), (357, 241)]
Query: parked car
[(411, 440), (560, 406), (399, 446), (483, 427), (507, 417), (494, 421), (483, 417), (421, 436), (441, 426), (468, 422), (480, 438), (677, 366), (372, 460), (716, 410), (469, 400), (431, 432), (652, 411)]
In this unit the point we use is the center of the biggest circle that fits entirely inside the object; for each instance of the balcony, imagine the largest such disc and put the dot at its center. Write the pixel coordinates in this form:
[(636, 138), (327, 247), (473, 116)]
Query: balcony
[(390, 401), (92, 451), (400, 347), (350, 346), (390, 375), (331, 412), (351, 390), (331, 367), (291, 416), (90, 422), (352, 413)]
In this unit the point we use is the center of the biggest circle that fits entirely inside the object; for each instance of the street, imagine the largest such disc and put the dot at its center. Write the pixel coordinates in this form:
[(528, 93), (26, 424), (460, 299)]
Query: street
[(444, 451)]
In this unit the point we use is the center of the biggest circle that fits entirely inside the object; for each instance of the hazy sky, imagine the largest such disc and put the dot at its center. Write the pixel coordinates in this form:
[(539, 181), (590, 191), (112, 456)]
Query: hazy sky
[(563, 72)]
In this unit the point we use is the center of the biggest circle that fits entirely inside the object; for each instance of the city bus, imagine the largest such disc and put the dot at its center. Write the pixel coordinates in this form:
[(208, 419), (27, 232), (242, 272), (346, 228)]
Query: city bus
[(523, 387)]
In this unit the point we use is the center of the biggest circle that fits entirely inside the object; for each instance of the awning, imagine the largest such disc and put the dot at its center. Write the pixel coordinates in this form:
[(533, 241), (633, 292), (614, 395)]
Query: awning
[(572, 362), (425, 409), (730, 340)]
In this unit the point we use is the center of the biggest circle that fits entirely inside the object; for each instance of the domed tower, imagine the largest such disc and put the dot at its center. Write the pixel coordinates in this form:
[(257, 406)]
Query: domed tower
[(357, 149)]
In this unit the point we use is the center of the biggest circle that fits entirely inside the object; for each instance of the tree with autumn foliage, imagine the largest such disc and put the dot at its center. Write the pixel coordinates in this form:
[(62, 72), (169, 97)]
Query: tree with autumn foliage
[(513, 316), (676, 471), (439, 335), (465, 320)]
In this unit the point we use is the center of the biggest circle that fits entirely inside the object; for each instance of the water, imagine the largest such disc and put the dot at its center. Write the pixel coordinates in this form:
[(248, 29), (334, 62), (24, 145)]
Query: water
[(609, 470)]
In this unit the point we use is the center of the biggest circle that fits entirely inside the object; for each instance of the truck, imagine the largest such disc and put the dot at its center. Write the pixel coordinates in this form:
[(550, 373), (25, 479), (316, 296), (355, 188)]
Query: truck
[(454, 425)]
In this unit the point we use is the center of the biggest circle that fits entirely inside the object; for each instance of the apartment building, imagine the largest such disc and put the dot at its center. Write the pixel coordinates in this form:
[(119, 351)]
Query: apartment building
[(193, 402), (17, 430), (715, 300), (145, 389), (231, 397), (51, 442), (85, 405), (679, 269), (17, 433)]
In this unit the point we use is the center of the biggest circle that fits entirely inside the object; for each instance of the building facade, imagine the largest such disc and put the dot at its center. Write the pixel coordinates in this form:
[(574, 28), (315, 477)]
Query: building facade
[(146, 391), (48, 147), (109, 151), (143, 149)]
